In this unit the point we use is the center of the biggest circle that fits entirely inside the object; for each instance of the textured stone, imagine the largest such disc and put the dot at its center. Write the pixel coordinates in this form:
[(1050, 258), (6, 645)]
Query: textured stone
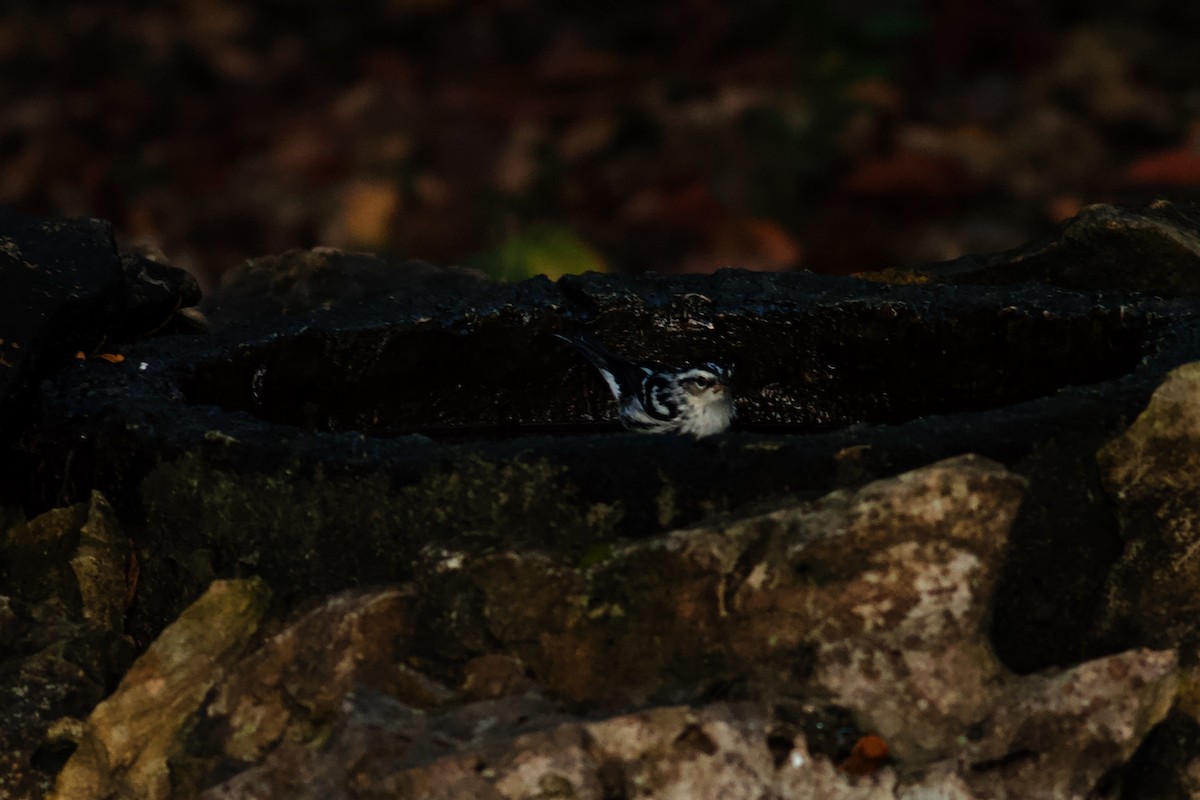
[(322, 279), (1152, 472), (65, 290), (877, 598), (519, 749), (293, 684), (130, 738), (65, 578), (1060, 734), (1057, 735), (351, 442), (326, 450), (54, 668), (874, 601), (76, 556), (1153, 250)]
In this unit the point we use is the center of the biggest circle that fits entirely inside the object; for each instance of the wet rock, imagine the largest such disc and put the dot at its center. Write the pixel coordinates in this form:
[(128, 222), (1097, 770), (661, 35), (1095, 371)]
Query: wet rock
[(154, 291), (324, 278), (1152, 472), (1154, 250), (442, 436), (66, 289), (130, 737), (328, 450)]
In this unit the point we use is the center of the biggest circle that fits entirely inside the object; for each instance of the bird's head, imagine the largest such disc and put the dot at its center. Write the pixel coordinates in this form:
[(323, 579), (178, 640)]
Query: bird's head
[(706, 383)]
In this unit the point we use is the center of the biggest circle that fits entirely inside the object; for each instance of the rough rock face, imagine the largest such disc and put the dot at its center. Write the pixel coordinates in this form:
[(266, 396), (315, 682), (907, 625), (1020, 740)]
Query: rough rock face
[(873, 601), (303, 280), (64, 580), (518, 748), (1152, 472), (1063, 734), (129, 739), (1155, 250), (1058, 735), (327, 450), (852, 596), (829, 601), (66, 289)]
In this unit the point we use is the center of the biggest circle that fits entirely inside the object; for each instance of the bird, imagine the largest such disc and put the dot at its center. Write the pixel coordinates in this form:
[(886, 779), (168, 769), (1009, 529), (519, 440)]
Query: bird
[(652, 398)]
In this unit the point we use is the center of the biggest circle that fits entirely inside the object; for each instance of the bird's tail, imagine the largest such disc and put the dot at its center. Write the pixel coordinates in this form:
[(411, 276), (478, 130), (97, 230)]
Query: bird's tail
[(605, 361), (595, 352)]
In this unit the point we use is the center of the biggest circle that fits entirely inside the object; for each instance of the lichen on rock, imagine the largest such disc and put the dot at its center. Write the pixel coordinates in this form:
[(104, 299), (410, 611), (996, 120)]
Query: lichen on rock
[(131, 736), (1152, 472)]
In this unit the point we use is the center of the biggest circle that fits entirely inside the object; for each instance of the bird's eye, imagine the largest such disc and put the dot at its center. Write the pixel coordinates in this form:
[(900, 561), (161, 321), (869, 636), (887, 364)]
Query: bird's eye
[(702, 383)]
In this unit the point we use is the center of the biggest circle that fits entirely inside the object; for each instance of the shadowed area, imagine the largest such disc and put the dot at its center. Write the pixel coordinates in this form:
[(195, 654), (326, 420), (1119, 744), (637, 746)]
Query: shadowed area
[(871, 354)]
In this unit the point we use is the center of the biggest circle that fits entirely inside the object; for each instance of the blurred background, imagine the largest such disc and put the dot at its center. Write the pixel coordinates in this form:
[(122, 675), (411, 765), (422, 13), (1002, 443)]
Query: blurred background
[(552, 136)]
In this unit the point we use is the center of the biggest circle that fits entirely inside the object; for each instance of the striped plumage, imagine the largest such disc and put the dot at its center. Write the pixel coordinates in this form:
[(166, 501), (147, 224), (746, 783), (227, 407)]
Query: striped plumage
[(656, 399)]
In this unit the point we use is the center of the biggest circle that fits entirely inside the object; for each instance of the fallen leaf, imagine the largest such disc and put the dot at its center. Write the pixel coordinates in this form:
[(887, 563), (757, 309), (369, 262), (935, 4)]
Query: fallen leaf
[(1179, 167), (906, 173), (552, 252), (867, 757), (368, 210)]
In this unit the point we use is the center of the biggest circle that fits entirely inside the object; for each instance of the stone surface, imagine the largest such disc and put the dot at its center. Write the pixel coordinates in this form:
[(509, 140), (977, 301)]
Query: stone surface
[(291, 687), (327, 450), (77, 556), (519, 748), (66, 290), (59, 277), (1063, 734), (1063, 543), (877, 599), (1167, 766), (129, 738), (64, 577), (324, 278), (1153, 250), (1058, 737), (53, 668), (1152, 473), (576, 611), (874, 601)]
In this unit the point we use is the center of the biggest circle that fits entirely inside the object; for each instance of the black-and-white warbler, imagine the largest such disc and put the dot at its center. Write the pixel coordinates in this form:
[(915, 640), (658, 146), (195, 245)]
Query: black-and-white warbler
[(652, 398)]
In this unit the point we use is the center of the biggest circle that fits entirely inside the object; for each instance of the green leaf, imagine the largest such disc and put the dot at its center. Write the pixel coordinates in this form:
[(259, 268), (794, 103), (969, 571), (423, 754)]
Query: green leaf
[(548, 251)]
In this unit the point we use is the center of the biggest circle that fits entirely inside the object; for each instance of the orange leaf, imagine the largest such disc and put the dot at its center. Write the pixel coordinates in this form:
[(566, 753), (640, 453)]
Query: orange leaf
[(112, 358), (906, 173), (1174, 167), (867, 757), (753, 243), (368, 211)]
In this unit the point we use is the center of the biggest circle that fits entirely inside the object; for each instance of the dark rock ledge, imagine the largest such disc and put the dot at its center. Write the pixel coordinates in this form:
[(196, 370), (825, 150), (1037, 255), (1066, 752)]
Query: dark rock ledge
[(328, 450), (529, 602)]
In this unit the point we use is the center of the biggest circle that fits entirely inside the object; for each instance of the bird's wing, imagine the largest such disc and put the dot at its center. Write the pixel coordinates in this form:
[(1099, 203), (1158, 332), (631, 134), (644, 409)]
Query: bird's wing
[(660, 397), (622, 377)]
